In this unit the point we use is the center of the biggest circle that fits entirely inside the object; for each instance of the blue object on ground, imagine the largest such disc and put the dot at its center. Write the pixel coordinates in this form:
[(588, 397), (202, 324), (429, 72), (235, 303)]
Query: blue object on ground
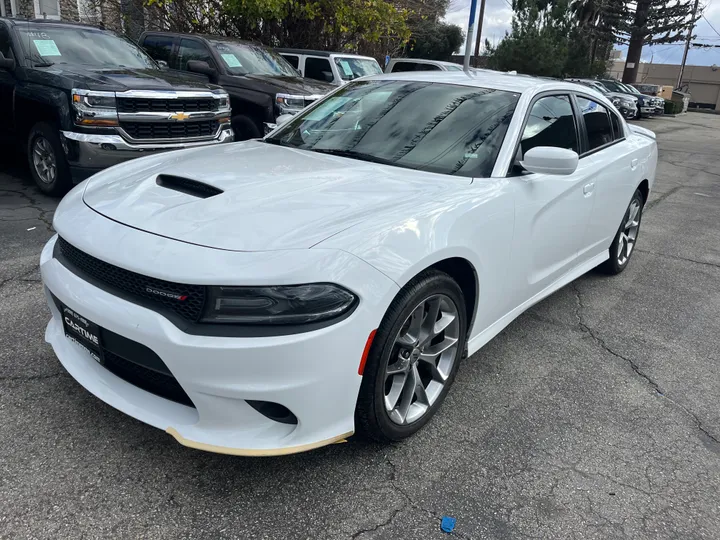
[(447, 524)]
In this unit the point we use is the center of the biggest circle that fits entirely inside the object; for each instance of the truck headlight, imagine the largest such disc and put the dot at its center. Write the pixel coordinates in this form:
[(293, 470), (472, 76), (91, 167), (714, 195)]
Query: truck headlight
[(289, 104), (287, 304), (94, 108)]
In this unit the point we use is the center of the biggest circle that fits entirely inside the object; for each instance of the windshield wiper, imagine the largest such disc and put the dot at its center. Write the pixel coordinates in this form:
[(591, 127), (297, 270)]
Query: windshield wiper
[(352, 154)]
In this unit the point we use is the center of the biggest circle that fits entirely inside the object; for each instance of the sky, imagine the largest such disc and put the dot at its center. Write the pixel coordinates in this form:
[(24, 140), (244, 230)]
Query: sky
[(498, 15)]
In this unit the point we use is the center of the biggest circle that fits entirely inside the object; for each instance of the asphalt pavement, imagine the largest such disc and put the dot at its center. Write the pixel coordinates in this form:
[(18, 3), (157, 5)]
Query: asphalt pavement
[(596, 414)]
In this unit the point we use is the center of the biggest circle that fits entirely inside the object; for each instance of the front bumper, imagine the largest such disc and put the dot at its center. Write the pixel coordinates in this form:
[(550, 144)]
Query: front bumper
[(313, 374), (91, 153)]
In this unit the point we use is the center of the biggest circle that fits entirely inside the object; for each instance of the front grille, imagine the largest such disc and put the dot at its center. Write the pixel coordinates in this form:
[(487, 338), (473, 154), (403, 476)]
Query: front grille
[(160, 384), (135, 105), (170, 130), (136, 285)]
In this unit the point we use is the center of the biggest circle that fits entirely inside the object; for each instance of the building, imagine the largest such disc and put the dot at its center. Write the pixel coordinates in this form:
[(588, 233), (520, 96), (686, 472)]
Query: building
[(702, 82)]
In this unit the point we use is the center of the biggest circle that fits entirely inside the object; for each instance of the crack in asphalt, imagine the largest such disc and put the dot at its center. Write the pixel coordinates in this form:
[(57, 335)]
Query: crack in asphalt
[(654, 385), (678, 258), (34, 204), (660, 198)]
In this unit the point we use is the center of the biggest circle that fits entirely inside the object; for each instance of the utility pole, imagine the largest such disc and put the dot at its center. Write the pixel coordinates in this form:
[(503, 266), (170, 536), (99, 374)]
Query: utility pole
[(469, 38), (479, 30), (687, 44)]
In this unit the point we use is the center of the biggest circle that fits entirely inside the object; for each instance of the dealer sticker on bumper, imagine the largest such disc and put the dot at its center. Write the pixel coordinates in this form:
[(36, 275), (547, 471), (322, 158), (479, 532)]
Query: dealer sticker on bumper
[(82, 332)]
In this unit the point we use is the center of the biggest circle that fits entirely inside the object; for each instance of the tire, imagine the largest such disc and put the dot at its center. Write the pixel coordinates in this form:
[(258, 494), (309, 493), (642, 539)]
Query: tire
[(624, 243), (46, 158), (245, 128), (372, 419)]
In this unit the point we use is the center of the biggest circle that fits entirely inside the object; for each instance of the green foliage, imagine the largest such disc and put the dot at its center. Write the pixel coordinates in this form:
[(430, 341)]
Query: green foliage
[(434, 40), (312, 24), (557, 38)]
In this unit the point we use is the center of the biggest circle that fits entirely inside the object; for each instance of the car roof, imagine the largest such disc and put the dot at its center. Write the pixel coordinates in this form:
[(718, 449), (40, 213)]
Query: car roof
[(320, 53), (425, 61), (483, 79), (207, 37), (51, 22)]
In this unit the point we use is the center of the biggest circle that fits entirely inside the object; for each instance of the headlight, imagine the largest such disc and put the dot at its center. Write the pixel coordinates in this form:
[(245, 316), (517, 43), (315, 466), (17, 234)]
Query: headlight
[(223, 103), (94, 108), (288, 104), (293, 304)]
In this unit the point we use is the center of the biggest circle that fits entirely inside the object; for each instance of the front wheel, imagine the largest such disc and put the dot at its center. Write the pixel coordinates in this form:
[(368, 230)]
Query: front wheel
[(48, 165), (413, 359), (624, 243)]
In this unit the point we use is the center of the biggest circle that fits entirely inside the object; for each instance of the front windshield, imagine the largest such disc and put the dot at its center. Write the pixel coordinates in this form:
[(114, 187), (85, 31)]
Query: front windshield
[(48, 45), (433, 127), (352, 68), (614, 86), (242, 58), (632, 89)]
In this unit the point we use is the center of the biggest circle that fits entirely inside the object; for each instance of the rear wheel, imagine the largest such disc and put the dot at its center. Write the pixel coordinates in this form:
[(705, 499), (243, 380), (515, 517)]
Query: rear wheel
[(48, 164), (623, 245), (413, 359)]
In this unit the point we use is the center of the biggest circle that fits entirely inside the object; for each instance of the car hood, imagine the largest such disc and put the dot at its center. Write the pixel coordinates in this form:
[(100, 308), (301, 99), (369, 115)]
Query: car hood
[(294, 85), (121, 79), (622, 96), (272, 197)]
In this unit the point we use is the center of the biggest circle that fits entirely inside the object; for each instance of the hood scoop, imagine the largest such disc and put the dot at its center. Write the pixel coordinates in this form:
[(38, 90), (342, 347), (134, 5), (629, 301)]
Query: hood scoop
[(187, 186)]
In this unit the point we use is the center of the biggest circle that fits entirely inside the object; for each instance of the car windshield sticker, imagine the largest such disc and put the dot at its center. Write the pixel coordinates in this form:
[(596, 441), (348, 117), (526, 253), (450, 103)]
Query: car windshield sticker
[(46, 47), (231, 60), (346, 68)]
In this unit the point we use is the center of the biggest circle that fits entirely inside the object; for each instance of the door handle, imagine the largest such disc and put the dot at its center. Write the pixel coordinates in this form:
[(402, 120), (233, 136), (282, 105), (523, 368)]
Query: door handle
[(633, 164), (588, 188)]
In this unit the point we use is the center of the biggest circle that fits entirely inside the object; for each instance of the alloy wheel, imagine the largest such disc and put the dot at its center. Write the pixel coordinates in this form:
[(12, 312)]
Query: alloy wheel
[(628, 233), (43, 158), (421, 359)]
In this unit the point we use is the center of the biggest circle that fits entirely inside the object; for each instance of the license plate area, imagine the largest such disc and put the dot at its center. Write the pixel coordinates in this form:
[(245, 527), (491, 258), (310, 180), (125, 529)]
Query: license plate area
[(83, 332)]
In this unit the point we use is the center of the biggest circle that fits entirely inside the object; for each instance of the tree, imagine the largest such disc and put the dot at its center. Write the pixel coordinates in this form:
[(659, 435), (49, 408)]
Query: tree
[(653, 22), (434, 40), (537, 43)]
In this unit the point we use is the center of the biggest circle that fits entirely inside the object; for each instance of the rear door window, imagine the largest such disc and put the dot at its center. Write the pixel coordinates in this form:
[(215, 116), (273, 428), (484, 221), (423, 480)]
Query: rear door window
[(318, 68), (597, 123), (159, 47), (617, 126)]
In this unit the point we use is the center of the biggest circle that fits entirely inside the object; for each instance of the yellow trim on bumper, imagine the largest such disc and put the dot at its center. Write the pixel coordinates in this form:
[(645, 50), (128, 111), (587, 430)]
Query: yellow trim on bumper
[(255, 452)]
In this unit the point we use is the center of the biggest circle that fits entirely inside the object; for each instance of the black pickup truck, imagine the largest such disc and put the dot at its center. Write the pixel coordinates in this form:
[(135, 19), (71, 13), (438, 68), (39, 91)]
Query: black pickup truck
[(78, 99), (261, 83)]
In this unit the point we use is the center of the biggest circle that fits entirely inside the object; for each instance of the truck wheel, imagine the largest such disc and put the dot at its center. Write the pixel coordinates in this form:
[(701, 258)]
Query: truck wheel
[(245, 128), (48, 165)]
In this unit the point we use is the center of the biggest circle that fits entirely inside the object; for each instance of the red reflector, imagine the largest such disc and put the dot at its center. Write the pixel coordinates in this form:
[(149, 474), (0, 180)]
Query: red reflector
[(368, 344)]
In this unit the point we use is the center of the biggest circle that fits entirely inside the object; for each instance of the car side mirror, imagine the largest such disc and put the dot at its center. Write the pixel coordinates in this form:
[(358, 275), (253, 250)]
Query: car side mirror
[(7, 64), (550, 160), (202, 67), (328, 76), (163, 64)]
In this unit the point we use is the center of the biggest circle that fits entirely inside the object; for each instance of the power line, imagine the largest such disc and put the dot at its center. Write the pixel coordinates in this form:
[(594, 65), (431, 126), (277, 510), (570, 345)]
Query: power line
[(710, 24)]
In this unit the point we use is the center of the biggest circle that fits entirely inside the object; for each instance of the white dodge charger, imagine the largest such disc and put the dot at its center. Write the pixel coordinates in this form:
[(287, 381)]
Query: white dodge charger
[(277, 295)]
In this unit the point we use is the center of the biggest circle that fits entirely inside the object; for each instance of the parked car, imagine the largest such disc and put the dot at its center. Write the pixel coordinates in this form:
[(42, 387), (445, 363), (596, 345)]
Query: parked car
[(646, 106), (627, 105), (334, 68), (79, 99), (653, 91), (397, 65), (280, 294), (261, 84)]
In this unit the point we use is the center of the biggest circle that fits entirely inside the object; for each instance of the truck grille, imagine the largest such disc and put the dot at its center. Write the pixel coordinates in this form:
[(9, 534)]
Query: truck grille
[(133, 285), (170, 130), (135, 105)]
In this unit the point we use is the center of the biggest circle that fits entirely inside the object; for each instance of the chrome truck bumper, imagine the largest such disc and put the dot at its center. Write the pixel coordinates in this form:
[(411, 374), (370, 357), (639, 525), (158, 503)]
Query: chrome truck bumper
[(90, 153)]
